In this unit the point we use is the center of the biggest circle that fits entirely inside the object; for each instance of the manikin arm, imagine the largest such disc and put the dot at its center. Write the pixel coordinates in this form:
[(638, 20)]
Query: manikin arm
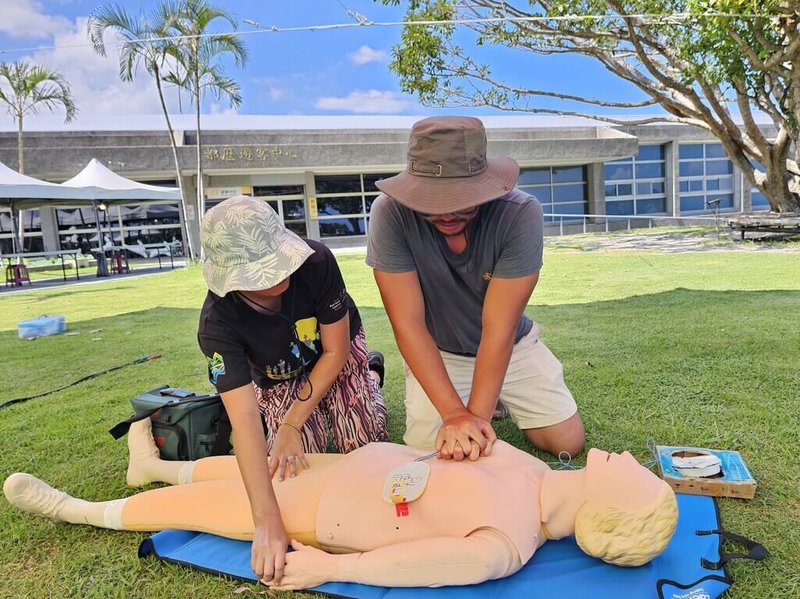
[(483, 555)]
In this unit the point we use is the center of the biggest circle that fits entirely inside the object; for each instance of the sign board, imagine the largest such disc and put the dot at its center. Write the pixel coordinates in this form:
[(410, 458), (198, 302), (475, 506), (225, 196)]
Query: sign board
[(221, 193)]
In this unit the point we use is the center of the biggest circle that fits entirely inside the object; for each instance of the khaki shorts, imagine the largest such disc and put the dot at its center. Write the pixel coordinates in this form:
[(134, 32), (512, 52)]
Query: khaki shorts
[(533, 391)]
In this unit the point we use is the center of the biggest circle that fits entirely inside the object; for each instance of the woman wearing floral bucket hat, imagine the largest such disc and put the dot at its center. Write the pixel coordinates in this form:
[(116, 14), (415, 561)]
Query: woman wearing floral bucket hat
[(287, 353)]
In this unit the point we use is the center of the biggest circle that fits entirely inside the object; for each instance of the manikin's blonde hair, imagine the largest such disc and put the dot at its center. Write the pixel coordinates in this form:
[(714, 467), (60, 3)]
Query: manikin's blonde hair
[(627, 538)]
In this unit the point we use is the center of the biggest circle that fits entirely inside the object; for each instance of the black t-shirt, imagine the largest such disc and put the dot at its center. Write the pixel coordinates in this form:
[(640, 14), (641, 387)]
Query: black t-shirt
[(244, 345)]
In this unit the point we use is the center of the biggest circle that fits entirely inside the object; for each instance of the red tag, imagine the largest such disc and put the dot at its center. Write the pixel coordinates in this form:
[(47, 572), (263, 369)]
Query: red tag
[(401, 509)]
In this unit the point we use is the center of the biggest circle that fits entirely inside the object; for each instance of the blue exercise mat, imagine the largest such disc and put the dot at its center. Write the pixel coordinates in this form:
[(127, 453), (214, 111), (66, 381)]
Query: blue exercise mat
[(558, 569)]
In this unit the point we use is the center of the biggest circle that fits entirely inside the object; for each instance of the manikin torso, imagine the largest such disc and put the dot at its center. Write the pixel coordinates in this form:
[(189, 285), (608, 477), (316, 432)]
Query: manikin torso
[(499, 492)]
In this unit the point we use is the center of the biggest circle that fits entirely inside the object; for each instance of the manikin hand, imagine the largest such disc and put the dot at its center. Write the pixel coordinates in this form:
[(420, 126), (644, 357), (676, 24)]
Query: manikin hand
[(306, 567), (287, 453), (465, 436), (268, 555)]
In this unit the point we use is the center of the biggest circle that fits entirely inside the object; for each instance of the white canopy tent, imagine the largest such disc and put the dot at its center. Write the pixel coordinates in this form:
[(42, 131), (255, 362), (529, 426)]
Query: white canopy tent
[(20, 192), (102, 185), (94, 185)]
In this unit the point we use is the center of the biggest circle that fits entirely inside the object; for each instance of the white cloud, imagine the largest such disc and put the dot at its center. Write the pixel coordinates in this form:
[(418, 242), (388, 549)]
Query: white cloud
[(365, 55), (365, 101), (217, 108), (26, 19), (277, 93), (94, 80)]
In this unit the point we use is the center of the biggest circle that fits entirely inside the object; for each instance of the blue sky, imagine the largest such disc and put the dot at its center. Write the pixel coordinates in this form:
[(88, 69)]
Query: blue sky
[(334, 72)]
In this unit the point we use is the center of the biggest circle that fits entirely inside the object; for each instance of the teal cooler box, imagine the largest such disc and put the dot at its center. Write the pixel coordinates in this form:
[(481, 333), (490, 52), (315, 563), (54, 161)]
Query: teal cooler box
[(186, 426), (41, 327)]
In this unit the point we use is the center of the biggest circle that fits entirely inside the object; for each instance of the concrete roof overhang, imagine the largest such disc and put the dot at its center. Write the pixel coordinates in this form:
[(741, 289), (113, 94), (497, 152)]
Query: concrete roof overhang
[(146, 154)]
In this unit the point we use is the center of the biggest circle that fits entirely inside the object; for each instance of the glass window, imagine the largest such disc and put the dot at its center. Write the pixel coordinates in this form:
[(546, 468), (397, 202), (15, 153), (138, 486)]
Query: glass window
[(650, 171), (369, 181), (570, 174), (696, 185), (715, 151), (611, 191), (718, 167), (340, 227), (298, 228), (655, 152), (338, 183), (692, 203), (543, 194), (690, 151), (759, 200), (618, 207), (534, 176), (692, 168), (651, 206), (568, 193), (572, 208), (293, 210), (726, 201), (277, 190), (614, 172), (331, 206), (624, 189), (651, 187)]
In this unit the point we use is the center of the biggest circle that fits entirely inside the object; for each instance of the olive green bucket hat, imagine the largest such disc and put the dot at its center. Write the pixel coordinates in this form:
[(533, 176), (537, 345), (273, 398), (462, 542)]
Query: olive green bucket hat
[(447, 169), (247, 247)]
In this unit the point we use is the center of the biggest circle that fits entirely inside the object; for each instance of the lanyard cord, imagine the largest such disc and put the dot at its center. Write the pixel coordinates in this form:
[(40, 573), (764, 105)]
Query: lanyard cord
[(292, 327)]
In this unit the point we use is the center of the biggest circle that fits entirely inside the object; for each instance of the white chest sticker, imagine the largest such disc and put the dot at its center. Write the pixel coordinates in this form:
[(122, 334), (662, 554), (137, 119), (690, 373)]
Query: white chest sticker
[(406, 482)]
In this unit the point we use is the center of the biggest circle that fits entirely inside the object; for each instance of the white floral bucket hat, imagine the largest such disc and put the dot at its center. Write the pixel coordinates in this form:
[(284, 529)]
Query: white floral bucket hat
[(247, 247)]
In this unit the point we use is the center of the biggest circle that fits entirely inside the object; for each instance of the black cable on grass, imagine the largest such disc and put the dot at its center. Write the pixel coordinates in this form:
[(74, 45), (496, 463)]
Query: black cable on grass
[(139, 360)]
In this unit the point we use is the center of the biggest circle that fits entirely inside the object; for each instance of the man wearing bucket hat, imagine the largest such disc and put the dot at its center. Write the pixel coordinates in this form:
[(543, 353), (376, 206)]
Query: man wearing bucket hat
[(456, 251), (287, 353)]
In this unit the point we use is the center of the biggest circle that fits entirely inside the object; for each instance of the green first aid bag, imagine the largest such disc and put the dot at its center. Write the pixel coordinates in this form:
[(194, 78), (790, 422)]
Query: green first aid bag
[(186, 426)]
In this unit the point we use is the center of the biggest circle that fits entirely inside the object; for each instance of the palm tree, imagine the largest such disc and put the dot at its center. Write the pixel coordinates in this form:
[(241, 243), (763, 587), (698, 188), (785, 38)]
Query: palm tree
[(28, 88), (198, 55), (25, 88), (146, 42)]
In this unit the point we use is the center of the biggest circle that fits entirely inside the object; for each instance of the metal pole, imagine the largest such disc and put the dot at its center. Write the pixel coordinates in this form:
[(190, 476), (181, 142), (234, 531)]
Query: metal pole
[(102, 265), (14, 239)]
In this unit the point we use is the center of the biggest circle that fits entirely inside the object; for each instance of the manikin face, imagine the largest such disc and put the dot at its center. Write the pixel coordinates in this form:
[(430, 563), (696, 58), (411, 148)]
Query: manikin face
[(451, 223), (618, 480)]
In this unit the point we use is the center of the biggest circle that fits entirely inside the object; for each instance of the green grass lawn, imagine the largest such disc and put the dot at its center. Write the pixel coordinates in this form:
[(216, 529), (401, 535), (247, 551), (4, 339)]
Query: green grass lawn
[(698, 349)]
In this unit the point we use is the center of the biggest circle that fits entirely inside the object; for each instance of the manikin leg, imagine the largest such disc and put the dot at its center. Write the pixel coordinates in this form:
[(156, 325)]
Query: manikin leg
[(204, 486)]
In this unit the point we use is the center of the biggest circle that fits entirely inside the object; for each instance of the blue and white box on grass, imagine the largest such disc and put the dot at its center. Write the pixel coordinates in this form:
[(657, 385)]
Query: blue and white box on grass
[(41, 327)]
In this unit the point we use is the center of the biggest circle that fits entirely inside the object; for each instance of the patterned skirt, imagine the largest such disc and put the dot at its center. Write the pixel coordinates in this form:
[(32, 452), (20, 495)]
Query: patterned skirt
[(352, 411)]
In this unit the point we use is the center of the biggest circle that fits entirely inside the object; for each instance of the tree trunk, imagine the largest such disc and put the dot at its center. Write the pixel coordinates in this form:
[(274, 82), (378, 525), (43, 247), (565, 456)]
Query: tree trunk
[(187, 237), (20, 147), (780, 186), (201, 199), (20, 232)]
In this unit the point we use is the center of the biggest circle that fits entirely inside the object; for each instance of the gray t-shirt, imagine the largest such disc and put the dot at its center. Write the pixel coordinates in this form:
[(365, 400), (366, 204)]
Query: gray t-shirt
[(505, 241)]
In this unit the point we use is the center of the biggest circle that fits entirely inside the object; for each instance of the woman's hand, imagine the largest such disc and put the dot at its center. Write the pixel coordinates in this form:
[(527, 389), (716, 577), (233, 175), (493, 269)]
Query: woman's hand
[(306, 567), (287, 453), (268, 555)]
